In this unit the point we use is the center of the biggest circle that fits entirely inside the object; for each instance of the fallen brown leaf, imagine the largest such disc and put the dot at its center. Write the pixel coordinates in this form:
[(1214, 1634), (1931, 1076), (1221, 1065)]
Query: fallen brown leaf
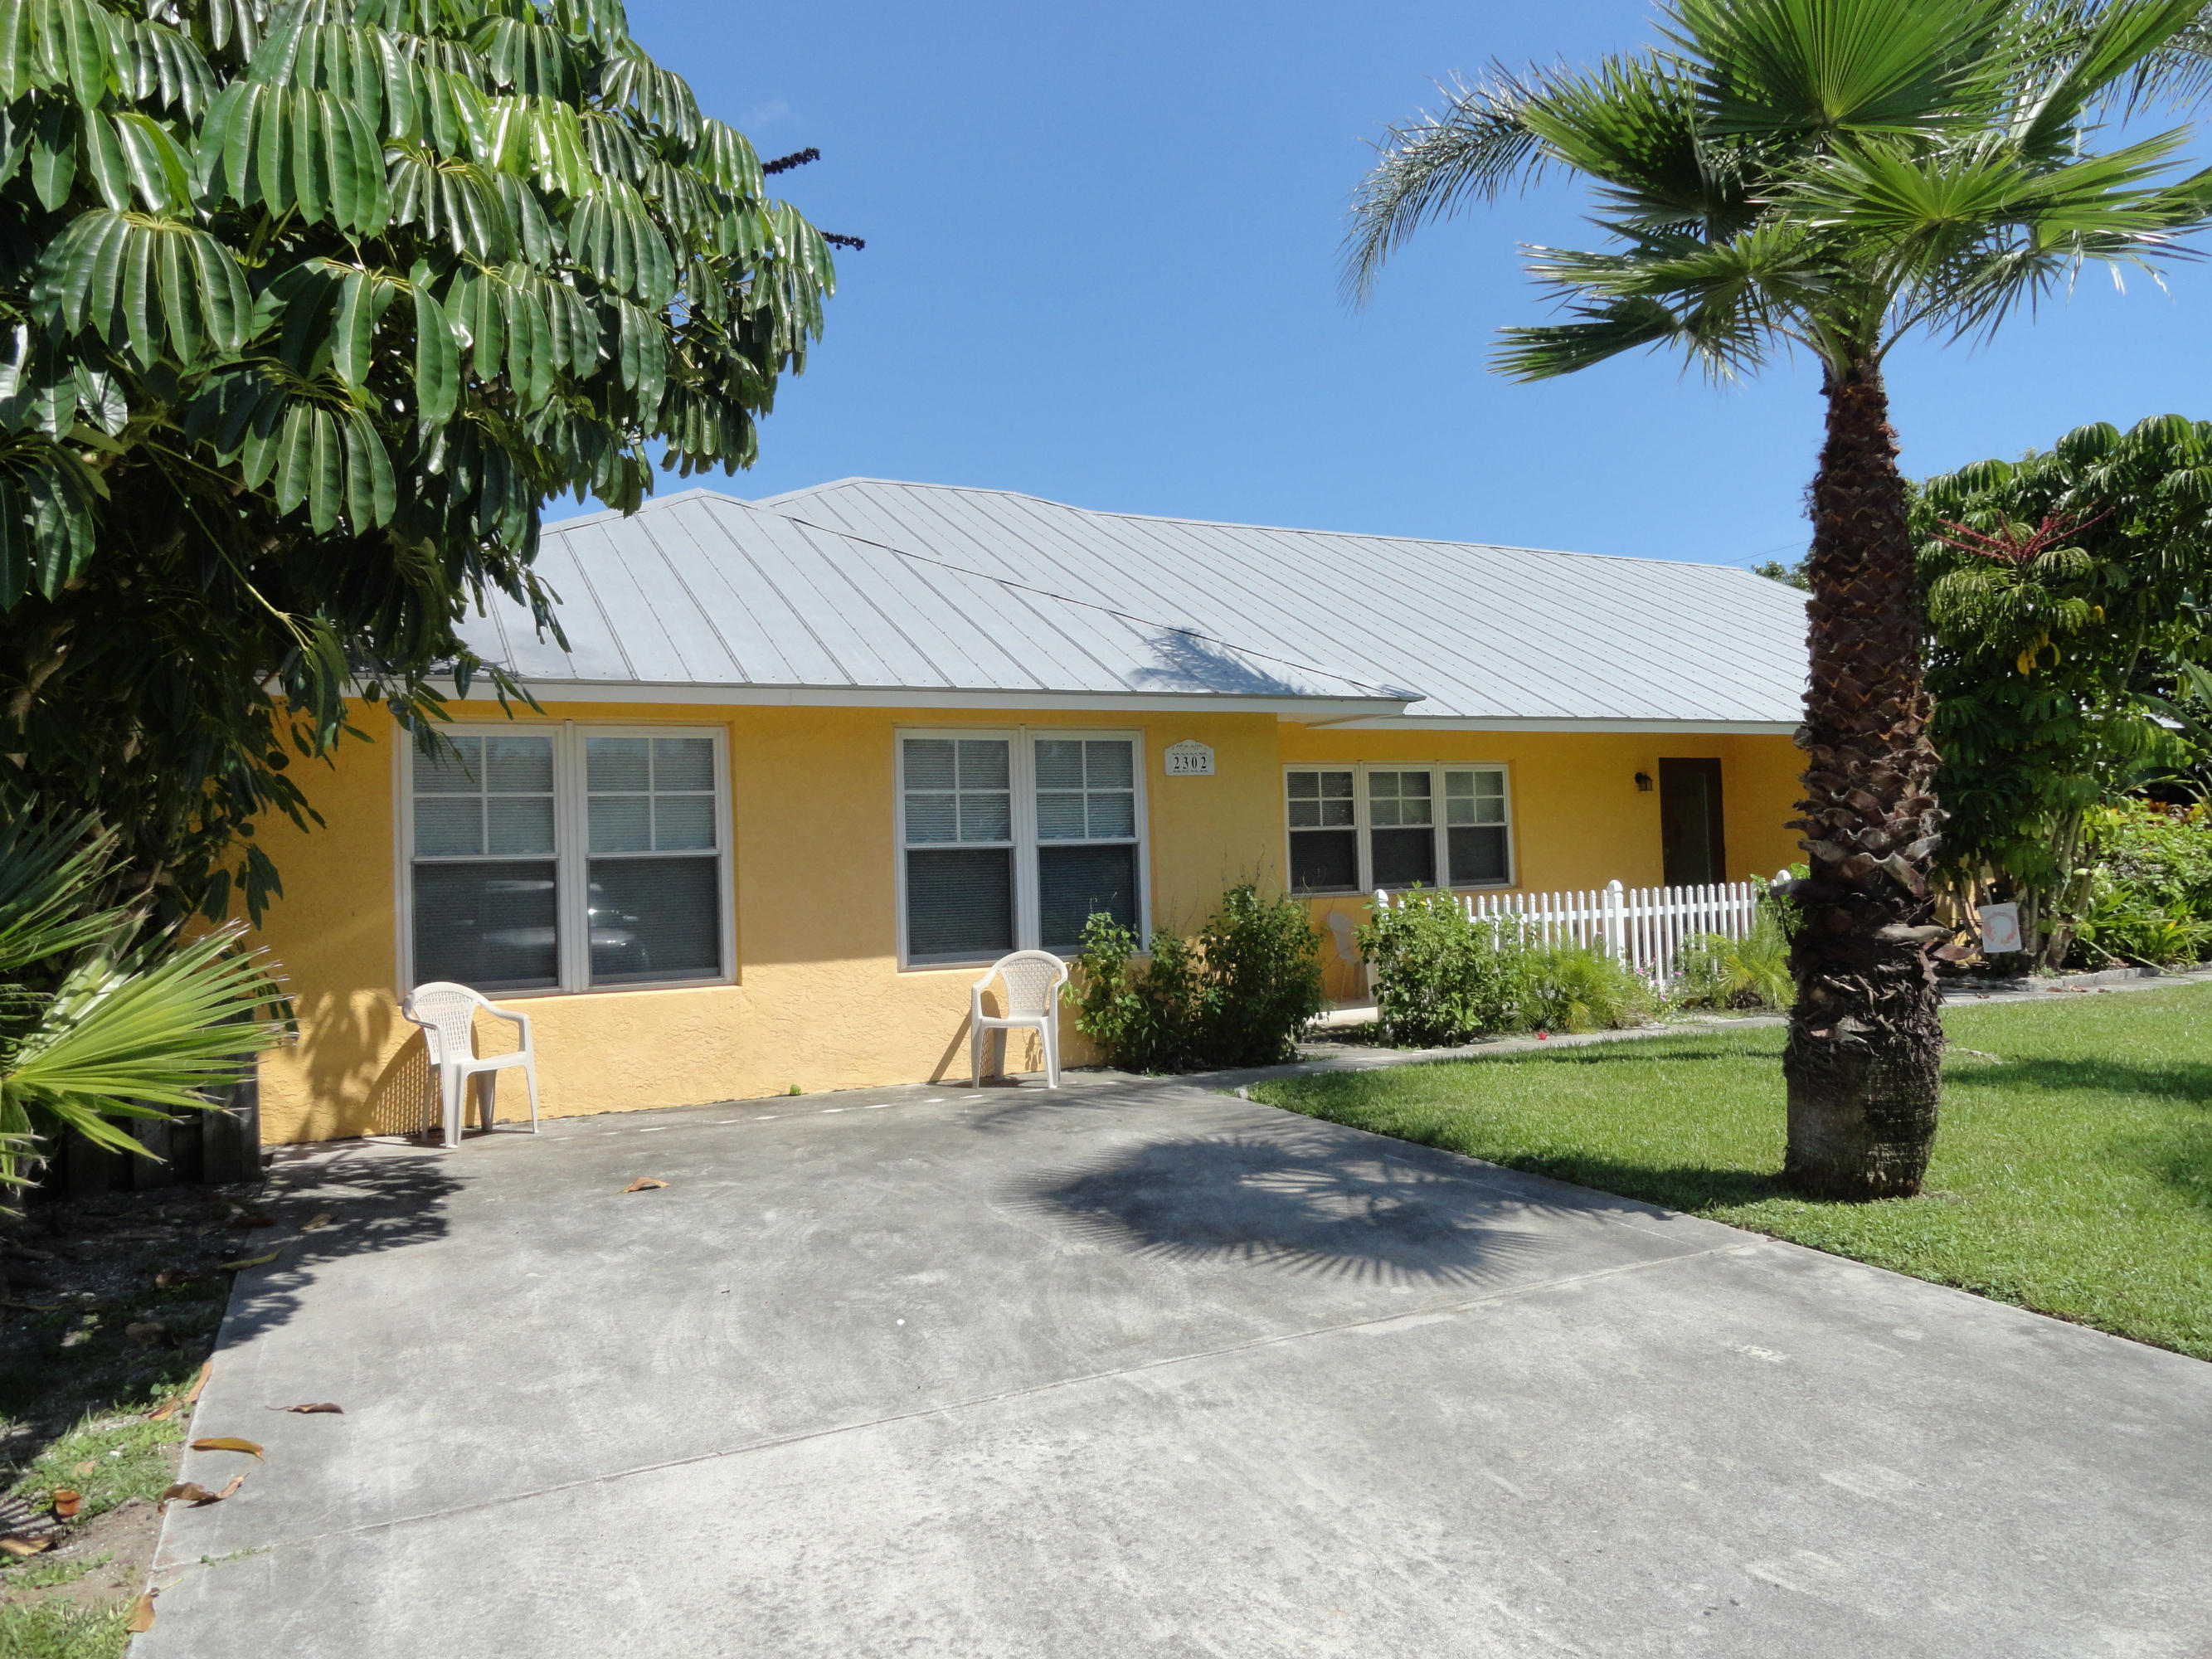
[(167, 1408), (190, 1491), (87, 1466), (318, 1405), (250, 1261), (141, 1615), (21, 1546), (314, 1221), (644, 1184), (67, 1502), (169, 1277), (227, 1443)]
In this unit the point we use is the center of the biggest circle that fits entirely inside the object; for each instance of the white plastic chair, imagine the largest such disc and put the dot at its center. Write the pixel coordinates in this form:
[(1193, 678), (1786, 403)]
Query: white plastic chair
[(446, 1013), (1033, 979)]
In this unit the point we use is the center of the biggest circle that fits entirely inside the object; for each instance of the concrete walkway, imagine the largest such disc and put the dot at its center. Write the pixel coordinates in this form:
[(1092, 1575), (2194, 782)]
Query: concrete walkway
[(1139, 1370)]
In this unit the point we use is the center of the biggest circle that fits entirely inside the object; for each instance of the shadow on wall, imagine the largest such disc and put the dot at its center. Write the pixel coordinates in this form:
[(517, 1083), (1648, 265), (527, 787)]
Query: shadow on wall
[(1298, 1200), (1022, 1051), (403, 1099), (343, 1034)]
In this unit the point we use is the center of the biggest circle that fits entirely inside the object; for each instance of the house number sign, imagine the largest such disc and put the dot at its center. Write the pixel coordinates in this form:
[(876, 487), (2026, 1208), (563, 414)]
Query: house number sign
[(1189, 760)]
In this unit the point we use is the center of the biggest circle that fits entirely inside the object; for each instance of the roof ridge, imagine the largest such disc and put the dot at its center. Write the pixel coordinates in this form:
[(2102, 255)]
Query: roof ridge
[(773, 503)]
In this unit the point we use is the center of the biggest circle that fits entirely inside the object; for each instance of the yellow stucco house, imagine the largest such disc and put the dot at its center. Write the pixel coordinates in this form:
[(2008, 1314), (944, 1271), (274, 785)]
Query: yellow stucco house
[(808, 762)]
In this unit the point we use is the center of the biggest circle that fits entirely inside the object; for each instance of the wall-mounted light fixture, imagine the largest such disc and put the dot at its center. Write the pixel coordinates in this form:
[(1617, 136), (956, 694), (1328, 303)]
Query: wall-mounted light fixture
[(1643, 783)]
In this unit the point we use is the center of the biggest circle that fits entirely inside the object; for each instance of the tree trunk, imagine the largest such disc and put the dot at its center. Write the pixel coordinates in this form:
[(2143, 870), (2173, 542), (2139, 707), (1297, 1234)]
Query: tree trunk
[(1865, 1049)]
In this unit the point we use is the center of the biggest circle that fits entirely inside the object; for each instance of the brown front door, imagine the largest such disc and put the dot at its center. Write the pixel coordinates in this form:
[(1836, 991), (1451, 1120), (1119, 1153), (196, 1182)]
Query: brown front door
[(1690, 821)]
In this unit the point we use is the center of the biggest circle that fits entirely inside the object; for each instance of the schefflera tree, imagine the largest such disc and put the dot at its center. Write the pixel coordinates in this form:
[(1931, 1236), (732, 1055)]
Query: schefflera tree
[(1830, 177), (305, 310)]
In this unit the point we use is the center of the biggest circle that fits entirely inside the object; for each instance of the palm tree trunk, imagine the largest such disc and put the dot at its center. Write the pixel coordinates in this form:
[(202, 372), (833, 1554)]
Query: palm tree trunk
[(1865, 1049)]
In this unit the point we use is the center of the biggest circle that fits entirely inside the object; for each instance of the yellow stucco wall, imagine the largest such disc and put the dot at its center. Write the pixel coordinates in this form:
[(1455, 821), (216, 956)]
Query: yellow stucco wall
[(819, 1000), (1579, 820)]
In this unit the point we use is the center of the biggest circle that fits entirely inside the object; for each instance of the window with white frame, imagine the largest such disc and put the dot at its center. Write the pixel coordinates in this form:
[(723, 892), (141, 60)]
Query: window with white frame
[(1353, 828), (1012, 840), (568, 859)]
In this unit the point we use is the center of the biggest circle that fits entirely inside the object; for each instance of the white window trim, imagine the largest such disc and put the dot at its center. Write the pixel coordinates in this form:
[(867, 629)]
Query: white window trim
[(1436, 769), (1021, 742), (571, 850)]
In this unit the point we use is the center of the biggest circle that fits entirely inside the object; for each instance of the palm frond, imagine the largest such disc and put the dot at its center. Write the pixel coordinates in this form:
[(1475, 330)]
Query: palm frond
[(1474, 151), (126, 1036), (1799, 70), (47, 866), (1547, 351)]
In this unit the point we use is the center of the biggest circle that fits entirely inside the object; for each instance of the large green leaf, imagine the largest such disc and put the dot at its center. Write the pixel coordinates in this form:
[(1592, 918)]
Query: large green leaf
[(455, 202), (164, 67), (47, 500), (529, 57), (298, 149), (611, 235), (167, 287), (725, 158), (659, 96), (437, 354), (540, 137)]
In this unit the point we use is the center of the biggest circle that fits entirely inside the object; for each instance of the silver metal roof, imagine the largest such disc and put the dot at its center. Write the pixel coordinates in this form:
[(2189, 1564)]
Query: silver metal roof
[(701, 597), (1489, 636)]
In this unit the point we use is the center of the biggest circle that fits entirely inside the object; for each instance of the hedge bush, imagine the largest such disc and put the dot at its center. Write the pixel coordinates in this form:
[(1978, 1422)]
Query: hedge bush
[(1240, 994)]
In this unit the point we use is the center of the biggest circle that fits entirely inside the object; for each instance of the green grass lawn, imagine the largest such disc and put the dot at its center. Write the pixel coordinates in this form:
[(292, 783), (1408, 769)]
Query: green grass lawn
[(2072, 1173)]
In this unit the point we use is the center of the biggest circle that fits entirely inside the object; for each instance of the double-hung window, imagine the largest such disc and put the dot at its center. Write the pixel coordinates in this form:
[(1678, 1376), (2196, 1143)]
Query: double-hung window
[(1012, 840), (1353, 828), (568, 859)]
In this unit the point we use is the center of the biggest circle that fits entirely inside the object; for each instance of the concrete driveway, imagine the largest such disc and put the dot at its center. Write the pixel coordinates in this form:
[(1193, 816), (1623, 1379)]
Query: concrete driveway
[(1139, 1368)]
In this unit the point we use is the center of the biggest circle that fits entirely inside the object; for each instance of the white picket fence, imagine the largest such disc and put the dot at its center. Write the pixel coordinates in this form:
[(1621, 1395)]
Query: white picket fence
[(1644, 927)]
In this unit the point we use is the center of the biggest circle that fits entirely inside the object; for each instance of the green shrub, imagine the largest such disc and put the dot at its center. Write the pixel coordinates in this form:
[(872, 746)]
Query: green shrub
[(2148, 896), (1714, 971), (2126, 925), (1575, 988), (1442, 978), (1239, 996)]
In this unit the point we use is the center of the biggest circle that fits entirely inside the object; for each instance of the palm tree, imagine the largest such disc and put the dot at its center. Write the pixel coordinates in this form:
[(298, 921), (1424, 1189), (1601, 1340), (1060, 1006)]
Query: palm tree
[(1828, 175), (99, 1021)]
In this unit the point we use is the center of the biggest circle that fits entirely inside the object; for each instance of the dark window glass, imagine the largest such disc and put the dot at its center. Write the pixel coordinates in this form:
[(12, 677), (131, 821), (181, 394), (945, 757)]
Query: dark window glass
[(960, 902), (486, 925), (655, 919), (1325, 860), (1478, 854), (1403, 857), (1074, 881)]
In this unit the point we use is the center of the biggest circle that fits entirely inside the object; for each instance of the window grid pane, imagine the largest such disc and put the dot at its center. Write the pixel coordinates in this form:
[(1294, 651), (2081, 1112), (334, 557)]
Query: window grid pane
[(1324, 842), (647, 795), (488, 798), (489, 895), (957, 790), (1086, 789)]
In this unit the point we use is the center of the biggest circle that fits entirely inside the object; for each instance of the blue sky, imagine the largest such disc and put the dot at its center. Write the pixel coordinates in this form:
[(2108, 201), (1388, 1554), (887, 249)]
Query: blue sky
[(1102, 267)]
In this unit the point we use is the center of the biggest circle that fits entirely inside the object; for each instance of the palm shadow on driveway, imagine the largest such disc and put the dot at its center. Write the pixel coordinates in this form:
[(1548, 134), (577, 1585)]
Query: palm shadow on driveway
[(1306, 1202)]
